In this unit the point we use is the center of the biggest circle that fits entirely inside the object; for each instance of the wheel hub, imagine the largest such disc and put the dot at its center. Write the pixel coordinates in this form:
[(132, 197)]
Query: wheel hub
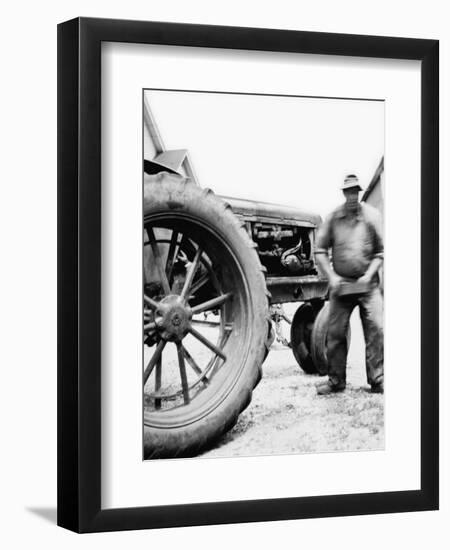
[(173, 318)]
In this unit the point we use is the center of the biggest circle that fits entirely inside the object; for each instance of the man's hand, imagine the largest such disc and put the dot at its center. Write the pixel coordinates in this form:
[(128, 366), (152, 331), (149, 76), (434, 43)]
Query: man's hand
[(324, 266), (365, 279), (373, 268), (334, 281)]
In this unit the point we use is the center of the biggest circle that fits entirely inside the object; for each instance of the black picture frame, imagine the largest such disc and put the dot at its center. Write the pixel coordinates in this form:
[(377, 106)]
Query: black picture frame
[(79, 268)]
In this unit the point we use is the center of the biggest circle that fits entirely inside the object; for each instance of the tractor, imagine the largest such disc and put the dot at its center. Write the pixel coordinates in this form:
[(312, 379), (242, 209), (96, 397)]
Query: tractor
[(214, 267)]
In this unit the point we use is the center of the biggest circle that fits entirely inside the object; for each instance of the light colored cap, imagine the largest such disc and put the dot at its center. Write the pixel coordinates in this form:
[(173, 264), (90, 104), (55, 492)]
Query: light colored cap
[(351, 181)]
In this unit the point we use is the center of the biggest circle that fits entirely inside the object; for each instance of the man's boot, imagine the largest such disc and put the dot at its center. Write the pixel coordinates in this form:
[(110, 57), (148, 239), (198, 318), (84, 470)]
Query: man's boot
[(327, 388), (377, 388)]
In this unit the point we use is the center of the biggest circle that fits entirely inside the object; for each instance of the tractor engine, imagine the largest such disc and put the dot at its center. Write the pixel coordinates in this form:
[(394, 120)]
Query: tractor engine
[(284, 250)]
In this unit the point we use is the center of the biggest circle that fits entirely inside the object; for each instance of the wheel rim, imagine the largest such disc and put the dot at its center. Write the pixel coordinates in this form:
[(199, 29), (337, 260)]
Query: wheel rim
[(196, 311)]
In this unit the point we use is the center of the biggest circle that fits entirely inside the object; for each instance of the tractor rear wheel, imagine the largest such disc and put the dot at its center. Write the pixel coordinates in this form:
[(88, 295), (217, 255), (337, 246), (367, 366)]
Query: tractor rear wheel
[(301, 332)]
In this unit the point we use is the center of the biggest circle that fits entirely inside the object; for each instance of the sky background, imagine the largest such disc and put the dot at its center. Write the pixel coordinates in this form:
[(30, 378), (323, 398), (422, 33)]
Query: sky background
[(286, 150)]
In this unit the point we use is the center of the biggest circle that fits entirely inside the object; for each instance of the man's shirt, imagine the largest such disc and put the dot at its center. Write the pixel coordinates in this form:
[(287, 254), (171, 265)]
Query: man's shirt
[(355, 239)]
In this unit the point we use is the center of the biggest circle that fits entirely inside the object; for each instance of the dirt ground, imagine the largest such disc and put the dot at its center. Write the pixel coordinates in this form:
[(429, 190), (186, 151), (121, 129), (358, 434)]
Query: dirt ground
[(286, 416)]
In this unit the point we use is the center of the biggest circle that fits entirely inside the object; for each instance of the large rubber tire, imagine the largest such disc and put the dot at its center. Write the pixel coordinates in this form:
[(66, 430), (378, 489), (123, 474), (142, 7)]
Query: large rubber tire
[(319, 340), (186, 430), (301, 333)]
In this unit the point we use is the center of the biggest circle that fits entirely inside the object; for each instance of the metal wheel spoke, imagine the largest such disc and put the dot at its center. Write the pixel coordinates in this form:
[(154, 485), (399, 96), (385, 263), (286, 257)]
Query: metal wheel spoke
[(207, 343), (154, 359), (150, 302), (214, 279), (203, 279), (190, 275), (158, 260), (212, 304), (158, 373), (172, 254), (207, 264), (191, 361), (213, 363), (149, 327), (184, 381), (212, 324)]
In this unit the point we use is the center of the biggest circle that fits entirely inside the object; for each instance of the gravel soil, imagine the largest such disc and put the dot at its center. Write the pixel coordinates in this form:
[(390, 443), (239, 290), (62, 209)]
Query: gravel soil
[(286, 415)]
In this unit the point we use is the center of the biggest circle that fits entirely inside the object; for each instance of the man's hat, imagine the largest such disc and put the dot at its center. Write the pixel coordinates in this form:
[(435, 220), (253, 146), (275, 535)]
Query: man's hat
[(168, 161), (351, 181)]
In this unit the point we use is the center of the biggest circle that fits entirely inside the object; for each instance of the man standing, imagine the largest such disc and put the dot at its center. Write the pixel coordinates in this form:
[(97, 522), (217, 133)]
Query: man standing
[(353, 232)]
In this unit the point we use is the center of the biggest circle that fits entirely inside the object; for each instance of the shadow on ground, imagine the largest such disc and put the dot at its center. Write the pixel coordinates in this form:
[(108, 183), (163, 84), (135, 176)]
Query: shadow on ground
[(45, 513)]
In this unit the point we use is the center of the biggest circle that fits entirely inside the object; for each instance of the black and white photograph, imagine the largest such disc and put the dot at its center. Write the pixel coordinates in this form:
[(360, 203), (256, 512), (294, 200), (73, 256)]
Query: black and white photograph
[(234, 244), (263, 274)]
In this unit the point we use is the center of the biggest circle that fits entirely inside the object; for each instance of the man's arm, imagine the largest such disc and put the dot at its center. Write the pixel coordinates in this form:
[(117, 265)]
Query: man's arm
[(378, 245), (325, 266), (373, 268)]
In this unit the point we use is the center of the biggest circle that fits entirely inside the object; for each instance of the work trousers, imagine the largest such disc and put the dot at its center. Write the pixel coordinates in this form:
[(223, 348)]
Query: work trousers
[(371, 313)]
